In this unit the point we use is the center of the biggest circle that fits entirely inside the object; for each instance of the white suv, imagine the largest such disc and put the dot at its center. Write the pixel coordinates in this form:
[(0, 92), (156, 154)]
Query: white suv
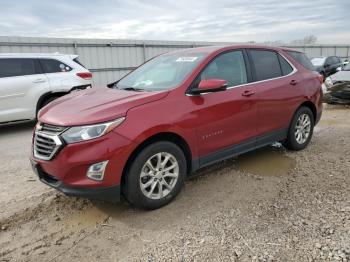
[(30, 81)]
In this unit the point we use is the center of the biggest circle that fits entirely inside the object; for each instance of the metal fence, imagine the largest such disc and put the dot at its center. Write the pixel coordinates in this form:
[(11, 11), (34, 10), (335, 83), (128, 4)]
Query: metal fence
[(343, 51), (110, 59)]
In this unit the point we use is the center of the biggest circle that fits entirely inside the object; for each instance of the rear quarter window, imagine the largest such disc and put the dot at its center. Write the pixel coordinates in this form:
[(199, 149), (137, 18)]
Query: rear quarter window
[(78, 62), (285, 66), (302, 59), (54, 66)]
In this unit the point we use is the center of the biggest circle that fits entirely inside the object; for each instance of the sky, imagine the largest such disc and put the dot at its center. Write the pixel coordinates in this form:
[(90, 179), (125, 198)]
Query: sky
[(193, 20)]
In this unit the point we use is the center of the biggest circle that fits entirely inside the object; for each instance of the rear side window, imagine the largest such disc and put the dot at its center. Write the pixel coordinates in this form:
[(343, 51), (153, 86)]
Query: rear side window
[(266, 64), (302, 59), (54, 66), (18, 67), (228, 66)]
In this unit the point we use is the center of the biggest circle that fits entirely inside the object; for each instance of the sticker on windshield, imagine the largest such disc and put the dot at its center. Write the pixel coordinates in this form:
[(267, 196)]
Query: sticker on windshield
[(187, 59), (144, 83)]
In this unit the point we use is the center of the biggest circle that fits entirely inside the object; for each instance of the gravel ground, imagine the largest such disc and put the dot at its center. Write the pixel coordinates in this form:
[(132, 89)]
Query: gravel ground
[(268, 205)]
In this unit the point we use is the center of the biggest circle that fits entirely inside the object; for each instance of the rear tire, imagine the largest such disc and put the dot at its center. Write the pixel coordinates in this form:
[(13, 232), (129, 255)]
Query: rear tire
[(300, 130), (155, 176)]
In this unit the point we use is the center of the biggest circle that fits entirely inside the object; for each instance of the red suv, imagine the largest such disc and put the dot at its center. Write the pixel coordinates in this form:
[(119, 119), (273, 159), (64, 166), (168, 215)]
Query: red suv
[(174, 114)]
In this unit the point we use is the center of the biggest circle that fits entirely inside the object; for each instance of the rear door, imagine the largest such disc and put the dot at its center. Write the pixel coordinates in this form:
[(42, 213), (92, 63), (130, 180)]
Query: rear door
[(277, 91), (21, 84), (226, 118)]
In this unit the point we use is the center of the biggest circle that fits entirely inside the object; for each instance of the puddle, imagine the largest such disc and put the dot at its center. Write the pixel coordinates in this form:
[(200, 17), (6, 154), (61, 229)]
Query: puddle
[(87, 218), (114, 210), (265, 162)]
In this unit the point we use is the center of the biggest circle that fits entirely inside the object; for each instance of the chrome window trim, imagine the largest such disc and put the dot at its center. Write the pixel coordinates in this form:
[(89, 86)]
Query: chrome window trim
[(260, 81)]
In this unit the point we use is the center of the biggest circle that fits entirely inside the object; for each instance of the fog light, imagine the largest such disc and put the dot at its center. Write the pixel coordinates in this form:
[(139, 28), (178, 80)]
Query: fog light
[(97, 171)]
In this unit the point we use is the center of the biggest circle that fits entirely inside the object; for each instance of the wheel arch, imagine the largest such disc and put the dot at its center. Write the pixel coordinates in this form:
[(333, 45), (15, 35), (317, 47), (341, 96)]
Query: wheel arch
[(311, 106), (48, 95), (163, 136)]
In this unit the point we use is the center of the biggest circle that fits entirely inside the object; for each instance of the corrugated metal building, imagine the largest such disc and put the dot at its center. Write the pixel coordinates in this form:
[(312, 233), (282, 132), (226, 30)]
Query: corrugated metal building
[(110, 59)]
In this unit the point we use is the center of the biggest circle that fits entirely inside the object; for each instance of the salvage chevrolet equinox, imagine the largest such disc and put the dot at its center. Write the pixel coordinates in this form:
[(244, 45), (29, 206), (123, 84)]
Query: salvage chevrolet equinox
[(178, 112)]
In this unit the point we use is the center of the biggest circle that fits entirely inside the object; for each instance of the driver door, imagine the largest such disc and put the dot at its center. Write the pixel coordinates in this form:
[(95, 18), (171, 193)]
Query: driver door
[(225, 119)]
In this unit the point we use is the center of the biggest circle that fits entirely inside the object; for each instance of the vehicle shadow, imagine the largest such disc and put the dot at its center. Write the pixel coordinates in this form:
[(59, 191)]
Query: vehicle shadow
[(219, 180), (17, 127)]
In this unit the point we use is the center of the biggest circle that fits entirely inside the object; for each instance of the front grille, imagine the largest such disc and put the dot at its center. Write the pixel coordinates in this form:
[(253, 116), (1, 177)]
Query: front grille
[(46, 141), (51, 128)]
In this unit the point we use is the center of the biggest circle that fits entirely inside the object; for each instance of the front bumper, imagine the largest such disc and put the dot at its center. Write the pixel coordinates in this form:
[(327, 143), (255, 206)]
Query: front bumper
[(110, 194), (67, 170)]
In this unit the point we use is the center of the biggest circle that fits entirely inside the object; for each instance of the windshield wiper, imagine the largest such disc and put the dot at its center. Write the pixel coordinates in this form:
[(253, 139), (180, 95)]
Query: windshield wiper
[(132, 89)]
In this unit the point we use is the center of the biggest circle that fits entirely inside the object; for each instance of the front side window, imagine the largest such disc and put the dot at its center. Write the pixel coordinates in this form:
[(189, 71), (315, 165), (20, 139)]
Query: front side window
[(266, 64), (54, 66), (162, 73), (228, 66), (17, 67)]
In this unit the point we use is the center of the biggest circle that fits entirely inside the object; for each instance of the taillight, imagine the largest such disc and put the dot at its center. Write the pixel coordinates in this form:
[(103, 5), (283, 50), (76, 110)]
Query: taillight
[(320, 78), (86, 76)]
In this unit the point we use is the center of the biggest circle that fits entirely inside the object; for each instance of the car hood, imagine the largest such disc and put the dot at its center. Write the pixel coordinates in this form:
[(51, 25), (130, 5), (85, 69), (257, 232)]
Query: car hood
[(95, 105), (341, 76)]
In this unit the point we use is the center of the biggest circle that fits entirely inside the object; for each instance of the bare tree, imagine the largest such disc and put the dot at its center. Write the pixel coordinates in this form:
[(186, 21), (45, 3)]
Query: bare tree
[(274, 43), (307, 40)]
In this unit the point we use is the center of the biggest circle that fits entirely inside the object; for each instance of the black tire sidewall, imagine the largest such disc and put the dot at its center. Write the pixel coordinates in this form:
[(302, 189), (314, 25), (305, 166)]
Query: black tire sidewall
[(131, 187), (291, 142)]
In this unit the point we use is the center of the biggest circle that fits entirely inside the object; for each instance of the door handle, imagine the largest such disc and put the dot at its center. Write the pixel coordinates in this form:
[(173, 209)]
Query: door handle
[(293, 82), (40, 80), (248, 93)]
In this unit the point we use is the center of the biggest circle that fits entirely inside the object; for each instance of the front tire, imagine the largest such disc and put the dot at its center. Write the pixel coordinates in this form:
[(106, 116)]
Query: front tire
[(155, 176), (300, 130)]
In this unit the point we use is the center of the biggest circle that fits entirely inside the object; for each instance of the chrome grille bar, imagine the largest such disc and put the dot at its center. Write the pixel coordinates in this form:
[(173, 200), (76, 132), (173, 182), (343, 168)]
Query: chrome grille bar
[(47, 141)]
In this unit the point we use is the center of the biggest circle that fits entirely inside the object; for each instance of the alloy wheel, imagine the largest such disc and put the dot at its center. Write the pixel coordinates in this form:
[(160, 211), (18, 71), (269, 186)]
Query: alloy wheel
[(302, 128), (159, 175)]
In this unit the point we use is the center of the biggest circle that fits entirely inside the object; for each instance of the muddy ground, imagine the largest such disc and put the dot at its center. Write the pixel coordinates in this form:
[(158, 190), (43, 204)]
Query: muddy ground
[(269, 205)]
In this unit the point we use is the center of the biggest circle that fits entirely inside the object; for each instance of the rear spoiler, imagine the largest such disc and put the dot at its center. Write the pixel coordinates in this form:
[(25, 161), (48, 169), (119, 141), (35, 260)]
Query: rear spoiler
[(73, 56)]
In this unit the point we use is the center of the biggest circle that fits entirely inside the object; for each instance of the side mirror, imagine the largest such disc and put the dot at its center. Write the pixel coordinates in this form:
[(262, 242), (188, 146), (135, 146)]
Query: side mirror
[(210, 86)]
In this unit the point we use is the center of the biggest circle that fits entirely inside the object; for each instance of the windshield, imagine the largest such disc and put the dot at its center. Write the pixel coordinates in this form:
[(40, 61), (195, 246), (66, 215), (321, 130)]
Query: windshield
[(161, 73), (318, 61)]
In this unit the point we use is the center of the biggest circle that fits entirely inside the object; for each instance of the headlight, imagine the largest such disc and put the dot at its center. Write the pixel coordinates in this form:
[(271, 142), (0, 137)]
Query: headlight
[(328, 82), (83, 133)]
